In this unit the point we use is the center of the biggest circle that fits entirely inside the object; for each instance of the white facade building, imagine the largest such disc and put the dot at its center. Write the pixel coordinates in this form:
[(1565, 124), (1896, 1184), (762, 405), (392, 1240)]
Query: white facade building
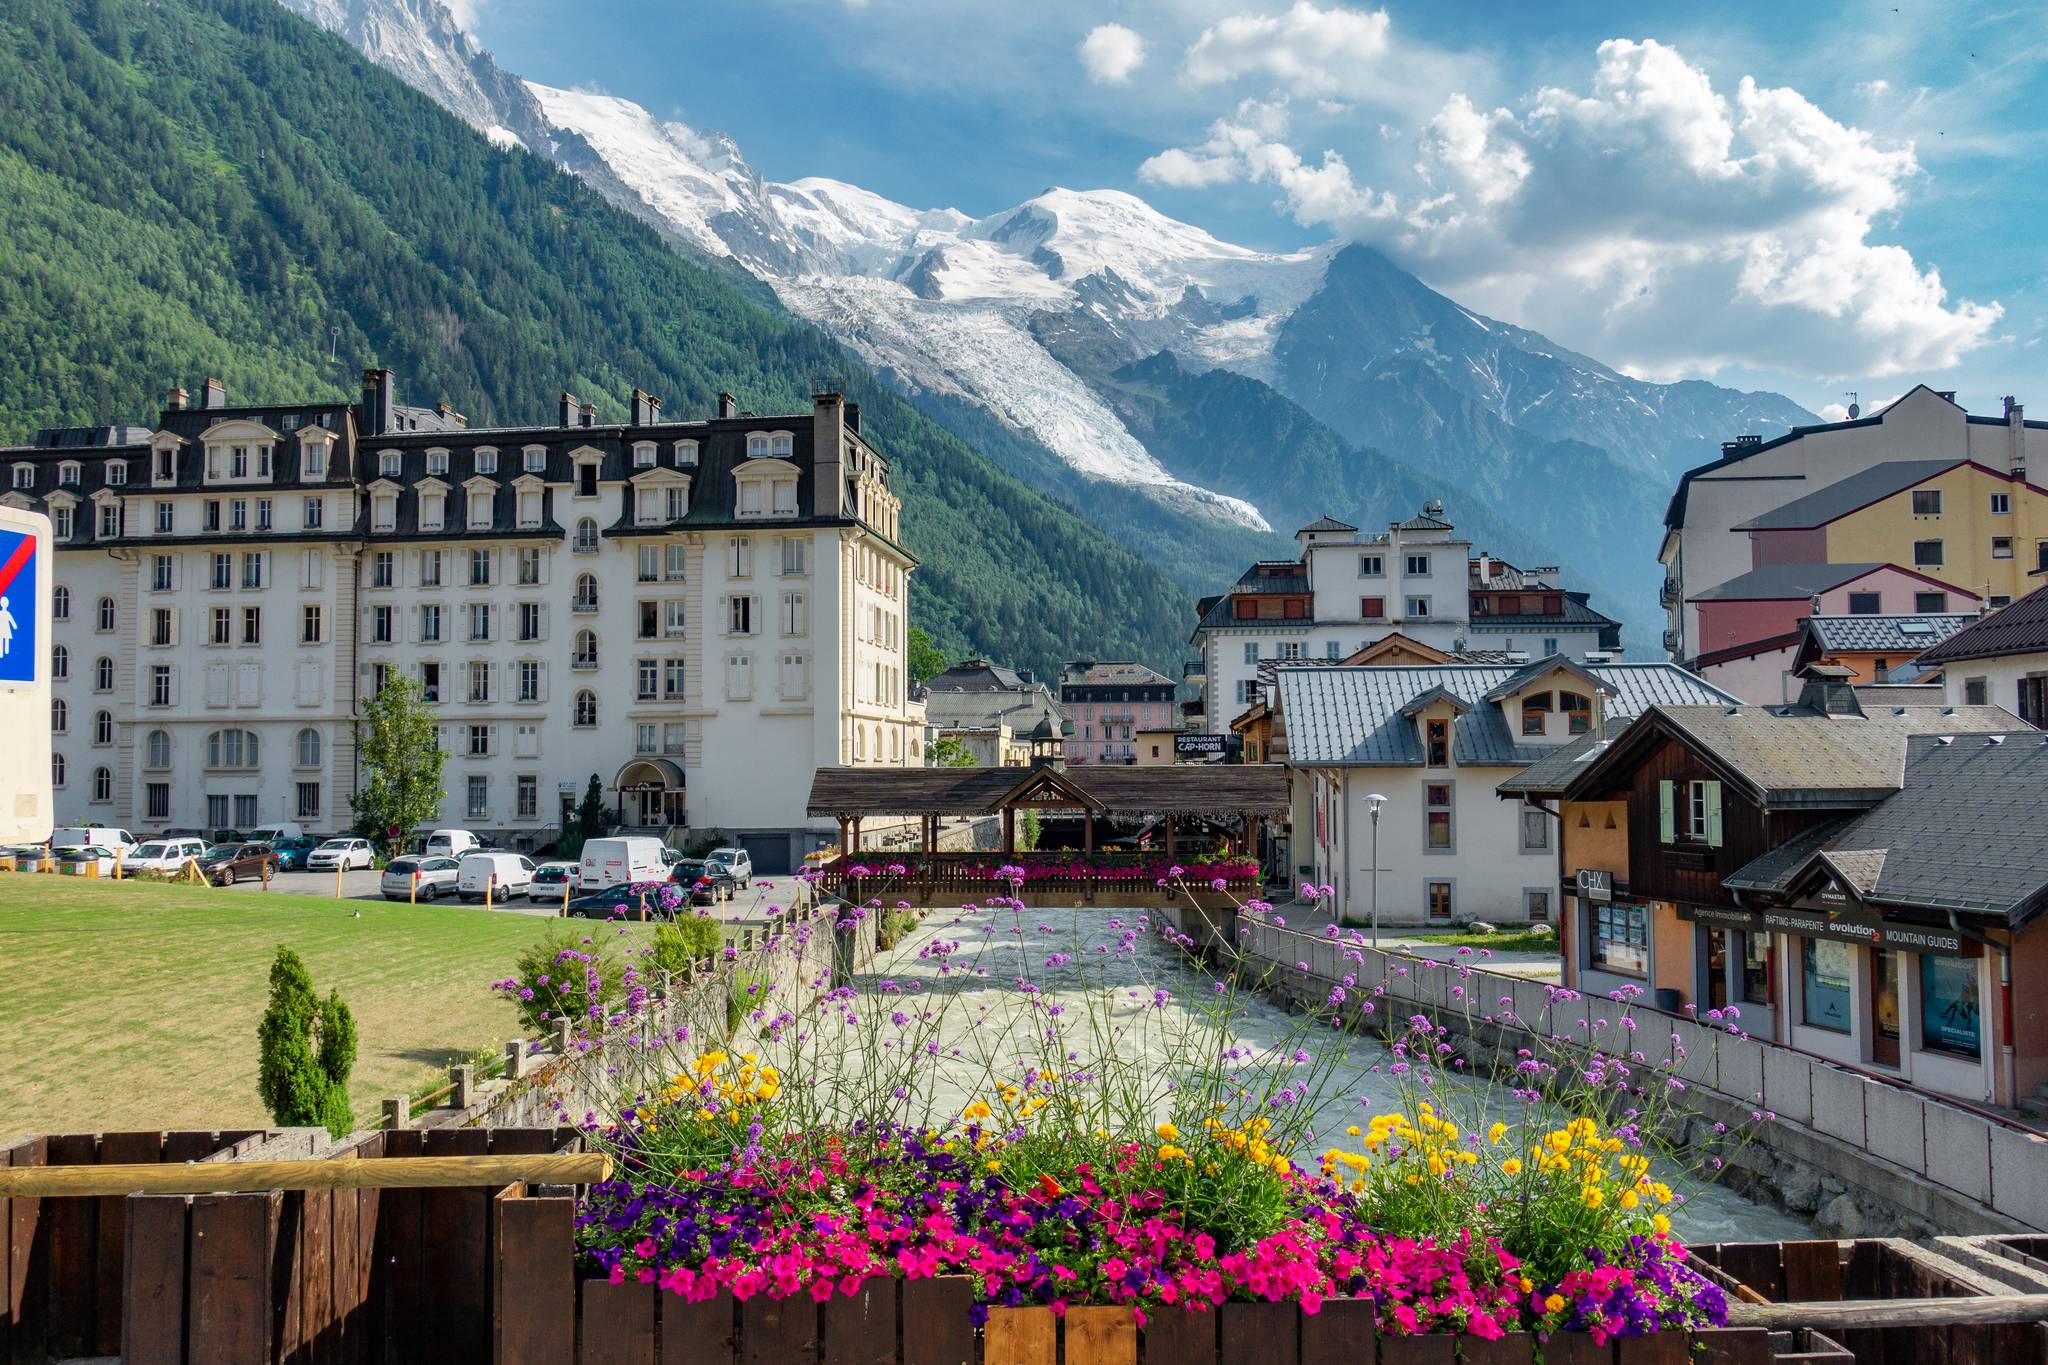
[(698, 613)]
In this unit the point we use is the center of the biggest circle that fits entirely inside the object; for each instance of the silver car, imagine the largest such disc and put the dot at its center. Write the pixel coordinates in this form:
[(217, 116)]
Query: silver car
[(436, 877), (341, 853)]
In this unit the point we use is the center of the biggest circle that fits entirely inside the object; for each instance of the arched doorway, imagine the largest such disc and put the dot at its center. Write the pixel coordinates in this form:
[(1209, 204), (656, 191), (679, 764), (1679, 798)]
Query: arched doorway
[(650, 793)]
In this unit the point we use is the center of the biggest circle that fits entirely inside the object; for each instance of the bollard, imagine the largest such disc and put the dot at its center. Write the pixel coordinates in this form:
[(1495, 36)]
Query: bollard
[(489, 882), (515, 1059), (117, 864), (462, 1085), (643, 907), (398, 1111), (337, 879), (565, 897), (413, 897)]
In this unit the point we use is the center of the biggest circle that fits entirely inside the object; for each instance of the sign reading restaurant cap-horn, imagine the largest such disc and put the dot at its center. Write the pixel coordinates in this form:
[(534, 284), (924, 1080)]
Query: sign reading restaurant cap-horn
[(1198, 744)]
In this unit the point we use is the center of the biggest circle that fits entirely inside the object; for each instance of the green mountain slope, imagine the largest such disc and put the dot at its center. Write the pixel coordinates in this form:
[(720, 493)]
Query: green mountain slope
[(193, 187)]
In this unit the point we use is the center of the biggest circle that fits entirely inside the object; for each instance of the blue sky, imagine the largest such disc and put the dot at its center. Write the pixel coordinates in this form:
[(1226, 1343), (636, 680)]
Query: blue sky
[(1810, 198)]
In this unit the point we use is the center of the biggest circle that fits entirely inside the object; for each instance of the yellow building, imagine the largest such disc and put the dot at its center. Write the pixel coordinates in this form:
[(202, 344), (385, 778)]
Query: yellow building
[(1954, 520)]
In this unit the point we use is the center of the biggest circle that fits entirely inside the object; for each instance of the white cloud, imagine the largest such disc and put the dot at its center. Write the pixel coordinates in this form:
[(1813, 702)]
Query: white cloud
[(1305, 51), (1111, 53), (465, 13), (1648, 218), (1834, 412)]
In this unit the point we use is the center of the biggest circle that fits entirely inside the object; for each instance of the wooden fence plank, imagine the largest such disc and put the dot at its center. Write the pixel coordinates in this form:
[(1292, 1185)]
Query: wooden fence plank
[(1101, 1336), (334, 1347), (1175, 1336), (120, 1149), (1516, 1348), (1437, 1348), (74, 1256), (230, 1286), (314, 1273), (534, 1280), (1576, 1348), (696, 1333), (23, 1296), (618, 1323), (522, 1141), (1020, 1336), (1342, 1332), (287, 1294), (1813, 1271), (776, 1330), (399, 1258), (155, 1232), (860, 1328), (1756, 1264), (1260, 1333), (455, 1246), (1734, 1346), (937, 1328), (1658, 1348)]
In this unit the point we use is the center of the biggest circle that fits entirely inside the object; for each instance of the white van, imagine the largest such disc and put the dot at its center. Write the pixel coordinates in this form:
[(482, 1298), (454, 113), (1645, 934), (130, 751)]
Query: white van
[(282, 830), (450, 843), (164, 855), (506, 874), (91, 836), (614, 862)]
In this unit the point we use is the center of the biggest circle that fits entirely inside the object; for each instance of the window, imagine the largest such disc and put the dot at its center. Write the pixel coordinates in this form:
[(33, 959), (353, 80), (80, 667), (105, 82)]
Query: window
[(1997, 600), (1536, 906), (2001, 547), (1928, 554), (238, 514), (1332, 650), (433, 511), (1372, 566), (60, 716), (252, 569), (117, 472), (649, 564), (308, 803), (1535, 829), (62, 524), (1620, 939), (103, 675), (1436, 818), (67, 474), (529, 620), (1927, 502), (381, 626), (102, 784), (430, 681), (479, 796), (1827, 972), (1290, 649), (1437, 896), (479, 568), (1418, 608), (1689, 811), (686, 453), (105, 622), (1418, 566), (221, 629), (793, 550), (1976, 692), (312, 624), (263, 514), (647, 676), (585, 655), (383, 569), (645, 737), (479, 620), (643, 455), (486, 460), (1950, 1020), (1930, 601), (536, 459), (1865, 604), (2001, 504), (527, 796), (231, 749), (650, 620), (740, 617), (1251, 651), (675, 561), (586, 537), (252, 625), (24, 476), (57, 769), (2033, 707), (585, 597), (675, 618), (103, 728), (60, 662), (586, 479), (672, 679), (110, 520), (740, 557), (584, 715), (529, 565), (1578, 712), (60, 603), (1438, 736), (529, 680), (430, 623), (1549, 645), (156, 800), (1535, 713), (313, 460), (480, 740), (479, 681), (165, 518)]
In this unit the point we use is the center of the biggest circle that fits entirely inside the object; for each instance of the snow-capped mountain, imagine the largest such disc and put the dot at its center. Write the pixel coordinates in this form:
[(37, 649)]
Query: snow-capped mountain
[(1027, 313)]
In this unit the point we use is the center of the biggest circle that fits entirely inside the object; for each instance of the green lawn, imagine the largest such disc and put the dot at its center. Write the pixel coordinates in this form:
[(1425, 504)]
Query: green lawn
[(1506, 941), (134, 1004)]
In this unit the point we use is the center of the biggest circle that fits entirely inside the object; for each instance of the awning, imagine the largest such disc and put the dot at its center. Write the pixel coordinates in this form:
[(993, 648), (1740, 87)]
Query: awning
[(642, 773)]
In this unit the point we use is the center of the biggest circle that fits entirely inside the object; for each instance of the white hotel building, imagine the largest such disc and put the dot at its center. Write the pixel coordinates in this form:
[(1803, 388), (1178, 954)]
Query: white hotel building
[(699, 613)]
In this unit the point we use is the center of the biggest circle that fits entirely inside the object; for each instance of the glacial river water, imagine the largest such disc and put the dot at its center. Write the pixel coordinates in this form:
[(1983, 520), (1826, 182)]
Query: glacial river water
[(1015, 974)]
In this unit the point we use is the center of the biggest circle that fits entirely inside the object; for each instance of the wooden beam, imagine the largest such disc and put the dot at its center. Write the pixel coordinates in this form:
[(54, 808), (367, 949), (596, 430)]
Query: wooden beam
[(1852, 1313), (248, 1177)]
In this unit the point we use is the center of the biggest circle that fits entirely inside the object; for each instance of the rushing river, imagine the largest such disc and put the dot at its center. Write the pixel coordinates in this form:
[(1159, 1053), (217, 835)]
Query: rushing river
[(994, 982)]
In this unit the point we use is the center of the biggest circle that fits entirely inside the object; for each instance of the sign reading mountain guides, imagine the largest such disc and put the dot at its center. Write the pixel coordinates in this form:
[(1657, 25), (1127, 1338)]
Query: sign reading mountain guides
[(1813, 921)]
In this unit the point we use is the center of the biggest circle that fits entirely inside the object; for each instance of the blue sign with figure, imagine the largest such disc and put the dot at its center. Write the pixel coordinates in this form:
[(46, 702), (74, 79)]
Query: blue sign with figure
[(18, 601)]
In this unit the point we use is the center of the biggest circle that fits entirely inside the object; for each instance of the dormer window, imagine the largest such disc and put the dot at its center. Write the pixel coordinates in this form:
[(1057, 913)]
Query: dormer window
[(1535, 713), (384, 512), (644, 454), (433, 511), (437, 462), (686, 454), (388, 463), (1578, 712), (774, 445), (110, 520), (24, 476), (313, 460), (163, 465), (529, 508), (1437, 743), (483, 509), (486, 460), (586, 478), (68, 474), (647, 506), (117, 472), (536, 459)]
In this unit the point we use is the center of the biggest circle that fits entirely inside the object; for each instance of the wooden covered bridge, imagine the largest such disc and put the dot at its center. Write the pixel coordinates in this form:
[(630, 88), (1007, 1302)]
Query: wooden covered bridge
[(1202, 818)]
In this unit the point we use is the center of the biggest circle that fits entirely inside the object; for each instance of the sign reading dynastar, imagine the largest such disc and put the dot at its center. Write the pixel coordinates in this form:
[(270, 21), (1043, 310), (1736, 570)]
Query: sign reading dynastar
[(1197, 745), (20, 608)]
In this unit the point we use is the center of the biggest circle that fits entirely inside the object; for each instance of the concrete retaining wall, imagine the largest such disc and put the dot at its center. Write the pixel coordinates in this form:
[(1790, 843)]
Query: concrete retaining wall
[(1857, 1153)]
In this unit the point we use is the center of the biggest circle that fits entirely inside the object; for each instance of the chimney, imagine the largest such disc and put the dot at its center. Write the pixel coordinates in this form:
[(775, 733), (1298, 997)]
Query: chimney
[(1828, 689), (728, 406), (380, 398), (2015, 434), (176, 399), (646, 408), (568, 409), (828, 448), (588, 414), (216, 394), (1485, 568), (853, 418), (450, 415)]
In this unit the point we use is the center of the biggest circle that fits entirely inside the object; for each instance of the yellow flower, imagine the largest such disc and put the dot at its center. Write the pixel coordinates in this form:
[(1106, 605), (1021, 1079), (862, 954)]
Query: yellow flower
[(1553, 1303), (1512, 1166), (1628, 1199), (1660, 1223), (1591, 1197), (1169, 1133), (1352, 1131), (976, 1110)]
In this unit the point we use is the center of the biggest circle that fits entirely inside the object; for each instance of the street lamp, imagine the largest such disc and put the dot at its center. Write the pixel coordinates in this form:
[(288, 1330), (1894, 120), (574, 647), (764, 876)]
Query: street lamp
[(1373, 802)]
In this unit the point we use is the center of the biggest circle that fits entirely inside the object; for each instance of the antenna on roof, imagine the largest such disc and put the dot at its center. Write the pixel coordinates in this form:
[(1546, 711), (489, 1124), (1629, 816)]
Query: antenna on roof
[(1855, 408)]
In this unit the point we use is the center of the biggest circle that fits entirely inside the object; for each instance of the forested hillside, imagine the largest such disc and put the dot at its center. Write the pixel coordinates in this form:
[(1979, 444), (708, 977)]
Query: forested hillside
[(193, 187)]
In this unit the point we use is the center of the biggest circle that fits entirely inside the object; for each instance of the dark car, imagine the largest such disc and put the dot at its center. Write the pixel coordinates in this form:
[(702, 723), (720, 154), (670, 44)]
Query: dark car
[(705, 884), (624, 902), (291, 853), (226, 863)]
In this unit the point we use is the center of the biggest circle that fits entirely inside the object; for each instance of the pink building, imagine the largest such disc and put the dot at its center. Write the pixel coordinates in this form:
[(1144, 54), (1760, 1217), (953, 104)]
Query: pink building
[(1107, 704)]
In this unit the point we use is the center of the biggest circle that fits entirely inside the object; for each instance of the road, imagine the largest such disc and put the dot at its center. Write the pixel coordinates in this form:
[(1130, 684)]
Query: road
[(750, 906)]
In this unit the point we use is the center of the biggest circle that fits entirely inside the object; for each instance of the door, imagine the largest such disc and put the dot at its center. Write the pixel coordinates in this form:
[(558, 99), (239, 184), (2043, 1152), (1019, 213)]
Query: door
[(1884, 1009), (1718, 993)]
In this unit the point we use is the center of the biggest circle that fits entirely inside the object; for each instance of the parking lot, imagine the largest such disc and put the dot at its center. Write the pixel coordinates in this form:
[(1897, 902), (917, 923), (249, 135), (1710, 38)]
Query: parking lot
[(361, 884)]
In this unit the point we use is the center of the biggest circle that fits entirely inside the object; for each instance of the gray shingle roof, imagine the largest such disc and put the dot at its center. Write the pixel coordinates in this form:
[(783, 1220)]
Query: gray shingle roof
[(1959, 835), (1780, 582), (1875, 696), (1327, 524), (1845, 496), (1353, 716), (2021, 628), (1774, 871), (1575, 613), (1901, 634), (1552, 773)]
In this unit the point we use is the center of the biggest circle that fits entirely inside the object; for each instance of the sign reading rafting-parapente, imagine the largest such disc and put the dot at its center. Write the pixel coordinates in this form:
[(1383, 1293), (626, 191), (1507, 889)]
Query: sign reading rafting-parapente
[(20, 606)]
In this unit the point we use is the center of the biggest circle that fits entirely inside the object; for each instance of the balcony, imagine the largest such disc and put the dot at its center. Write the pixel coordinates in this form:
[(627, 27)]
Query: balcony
[(1667, 596), (583, 606), (1671, 641), (583, 663)]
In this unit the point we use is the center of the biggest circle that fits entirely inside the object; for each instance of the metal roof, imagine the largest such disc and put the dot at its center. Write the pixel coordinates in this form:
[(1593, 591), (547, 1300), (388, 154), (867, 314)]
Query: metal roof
[(1900, 634), (1782, 582), (1354, 717), (2020, 628), (1838, 499), (1326, 524)]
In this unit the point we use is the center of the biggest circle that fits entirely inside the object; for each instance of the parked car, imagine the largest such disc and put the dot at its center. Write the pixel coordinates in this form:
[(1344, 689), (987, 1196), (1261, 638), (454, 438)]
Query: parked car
[(736, 863), (75, 860), (437, 877), (450, 843), (705, 884), (341, 853), (614, 862), (548, 880), (93, 836), (621, 901), (275, 833), (226, 864), (164, 855), (505, 874), (292, 853)]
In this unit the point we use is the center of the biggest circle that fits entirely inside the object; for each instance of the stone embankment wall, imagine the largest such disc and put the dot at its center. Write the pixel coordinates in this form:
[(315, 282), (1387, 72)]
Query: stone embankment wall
[(1861, 1156)]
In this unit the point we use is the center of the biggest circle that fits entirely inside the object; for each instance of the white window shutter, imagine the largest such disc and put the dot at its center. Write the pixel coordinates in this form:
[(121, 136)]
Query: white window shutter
[(543, 682), (216, 685), (543, 621), (174, 613)]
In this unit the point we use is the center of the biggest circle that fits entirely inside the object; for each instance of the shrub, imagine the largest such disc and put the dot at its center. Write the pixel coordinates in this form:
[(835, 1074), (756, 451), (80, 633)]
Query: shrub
[(306, 1050), (680, 946), (893, 925), (554, 977), (747, 993)]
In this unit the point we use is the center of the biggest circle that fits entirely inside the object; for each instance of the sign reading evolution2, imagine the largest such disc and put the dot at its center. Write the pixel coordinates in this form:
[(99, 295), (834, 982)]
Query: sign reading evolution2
[(1852, 926), (20, 603)]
